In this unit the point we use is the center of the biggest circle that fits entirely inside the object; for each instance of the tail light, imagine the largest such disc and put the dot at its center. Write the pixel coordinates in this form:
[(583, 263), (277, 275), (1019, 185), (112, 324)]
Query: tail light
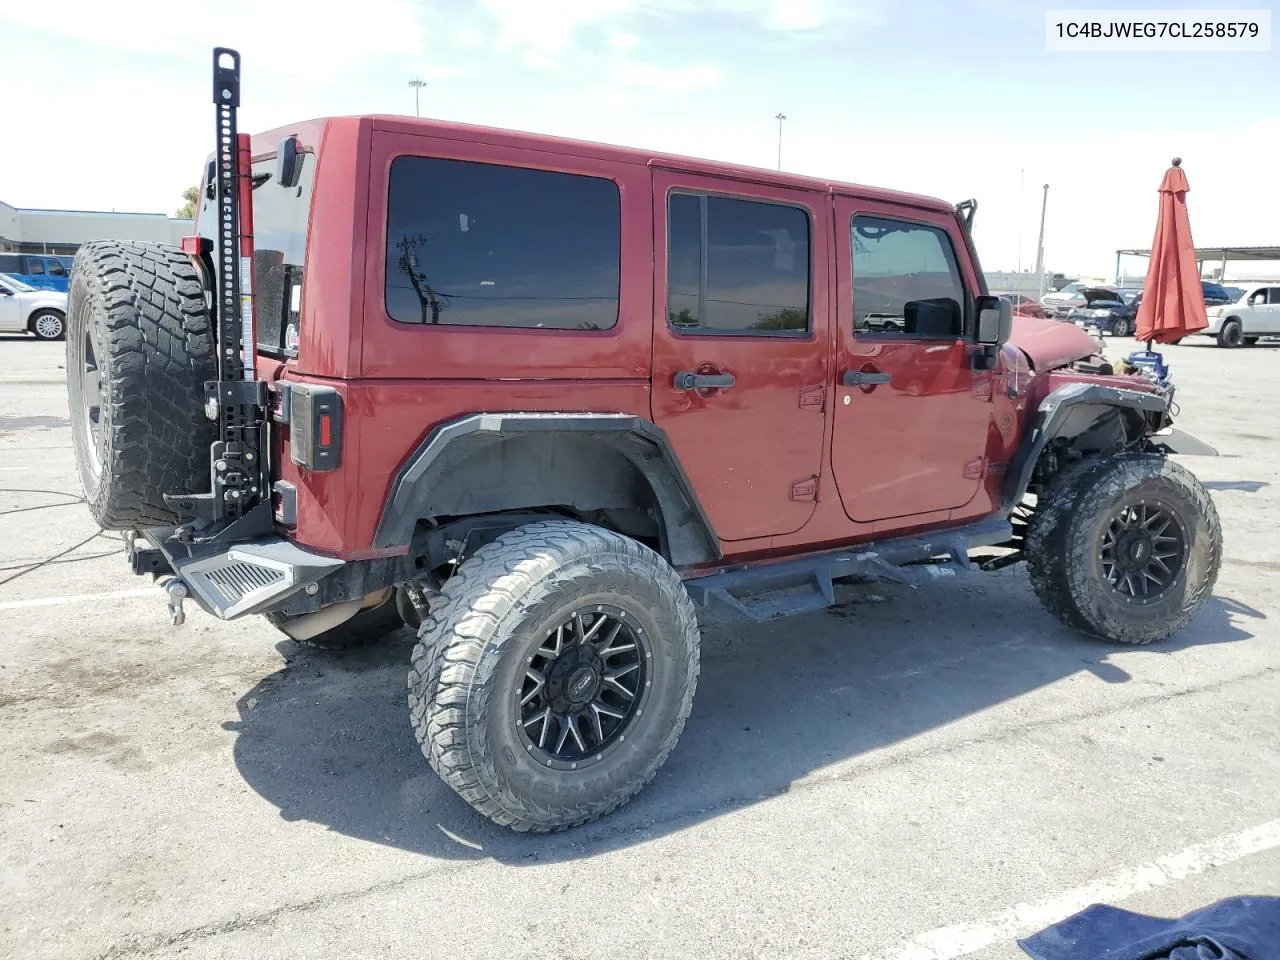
[(315, 426)]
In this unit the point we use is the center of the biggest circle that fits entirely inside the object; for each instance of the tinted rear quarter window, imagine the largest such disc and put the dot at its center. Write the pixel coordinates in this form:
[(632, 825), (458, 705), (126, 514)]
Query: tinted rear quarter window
[(477, 244)]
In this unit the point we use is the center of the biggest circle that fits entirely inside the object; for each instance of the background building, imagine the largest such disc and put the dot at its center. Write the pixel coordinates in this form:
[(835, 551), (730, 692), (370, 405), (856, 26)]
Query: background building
[(62, 231)]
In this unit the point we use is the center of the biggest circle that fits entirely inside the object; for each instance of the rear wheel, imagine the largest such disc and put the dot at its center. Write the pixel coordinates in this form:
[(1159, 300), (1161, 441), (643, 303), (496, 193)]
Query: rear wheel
[(1250, 341), (1120, 327), (1231, 334), (554, 675), (48, 325), (1125, 548), (139, 351)]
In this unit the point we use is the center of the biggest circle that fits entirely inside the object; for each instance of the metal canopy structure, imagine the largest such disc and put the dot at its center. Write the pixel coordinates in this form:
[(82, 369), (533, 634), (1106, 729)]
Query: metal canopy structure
[(1203, 254)]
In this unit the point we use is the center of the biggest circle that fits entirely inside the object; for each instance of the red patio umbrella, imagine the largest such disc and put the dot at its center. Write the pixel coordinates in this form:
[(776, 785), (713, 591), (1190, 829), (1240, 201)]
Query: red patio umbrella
[(1172, 299)]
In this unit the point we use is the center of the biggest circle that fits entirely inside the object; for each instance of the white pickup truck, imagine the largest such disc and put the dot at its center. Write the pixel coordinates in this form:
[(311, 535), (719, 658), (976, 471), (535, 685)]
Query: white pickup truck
[(1256, 314)]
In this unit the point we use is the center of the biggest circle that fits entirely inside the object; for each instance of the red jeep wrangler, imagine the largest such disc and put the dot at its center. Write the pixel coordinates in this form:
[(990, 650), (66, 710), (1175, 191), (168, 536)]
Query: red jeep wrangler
[(536, 397)]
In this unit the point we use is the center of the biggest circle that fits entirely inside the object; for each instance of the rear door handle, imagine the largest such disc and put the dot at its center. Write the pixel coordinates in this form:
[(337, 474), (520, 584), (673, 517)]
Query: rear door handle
[(864, 378), (687, 380)]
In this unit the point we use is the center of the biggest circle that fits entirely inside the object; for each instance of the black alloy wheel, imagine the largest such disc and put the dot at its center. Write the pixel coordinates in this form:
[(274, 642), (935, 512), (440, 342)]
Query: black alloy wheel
[(583, 686), (1143, 550)]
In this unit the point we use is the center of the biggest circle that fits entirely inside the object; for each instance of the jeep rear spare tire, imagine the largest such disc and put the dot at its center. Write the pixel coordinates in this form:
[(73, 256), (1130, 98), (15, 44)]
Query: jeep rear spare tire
[(139, 351), (554, 675), (1125, 548)]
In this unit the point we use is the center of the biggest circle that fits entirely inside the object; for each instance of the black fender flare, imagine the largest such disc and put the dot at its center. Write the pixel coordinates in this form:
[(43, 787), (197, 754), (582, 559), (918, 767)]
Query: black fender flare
[(491, 462), (1052, 419)]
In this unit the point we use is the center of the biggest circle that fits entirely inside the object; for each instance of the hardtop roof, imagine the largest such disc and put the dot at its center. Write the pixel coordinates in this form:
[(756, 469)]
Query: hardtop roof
[(584, 148)]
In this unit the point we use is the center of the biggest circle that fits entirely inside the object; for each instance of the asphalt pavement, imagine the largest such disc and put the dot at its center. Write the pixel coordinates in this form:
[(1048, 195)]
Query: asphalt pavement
[(915, 774)]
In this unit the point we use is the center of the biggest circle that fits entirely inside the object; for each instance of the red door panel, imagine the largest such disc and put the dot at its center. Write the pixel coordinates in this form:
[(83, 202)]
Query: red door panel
[(753, 450), (911, 431)]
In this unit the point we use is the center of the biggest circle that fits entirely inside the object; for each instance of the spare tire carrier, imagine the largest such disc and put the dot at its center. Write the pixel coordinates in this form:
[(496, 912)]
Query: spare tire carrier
[(239, 476)]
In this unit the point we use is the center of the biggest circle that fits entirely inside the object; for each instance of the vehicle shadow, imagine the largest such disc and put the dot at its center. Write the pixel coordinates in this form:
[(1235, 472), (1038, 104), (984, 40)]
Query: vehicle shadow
[(327, 739), (1245, 486)]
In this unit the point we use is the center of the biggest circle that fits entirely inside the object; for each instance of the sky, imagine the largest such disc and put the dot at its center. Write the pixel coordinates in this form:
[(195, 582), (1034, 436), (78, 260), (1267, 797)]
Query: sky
[(109, 104)]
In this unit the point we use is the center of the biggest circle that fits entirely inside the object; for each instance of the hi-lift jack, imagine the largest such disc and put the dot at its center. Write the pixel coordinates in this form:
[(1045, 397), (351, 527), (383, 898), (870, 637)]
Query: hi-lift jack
[(238, 506)]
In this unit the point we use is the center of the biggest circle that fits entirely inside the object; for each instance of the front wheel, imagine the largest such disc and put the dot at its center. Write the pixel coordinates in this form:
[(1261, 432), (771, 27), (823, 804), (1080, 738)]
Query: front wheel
[(1126, 548), (1231, 334), (554, 675), (48, 325), (1120, 327)]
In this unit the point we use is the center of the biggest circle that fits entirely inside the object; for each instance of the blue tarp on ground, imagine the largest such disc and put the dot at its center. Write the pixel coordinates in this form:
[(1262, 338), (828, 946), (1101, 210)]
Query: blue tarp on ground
[(1239, 928)]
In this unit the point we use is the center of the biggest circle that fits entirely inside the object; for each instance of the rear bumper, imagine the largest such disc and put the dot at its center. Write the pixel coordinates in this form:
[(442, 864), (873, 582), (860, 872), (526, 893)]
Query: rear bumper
[(231, 581)]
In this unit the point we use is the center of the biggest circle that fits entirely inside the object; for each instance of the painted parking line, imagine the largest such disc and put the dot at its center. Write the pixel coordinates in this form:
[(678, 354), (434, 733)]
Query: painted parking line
[(963, 939), (77, 598)]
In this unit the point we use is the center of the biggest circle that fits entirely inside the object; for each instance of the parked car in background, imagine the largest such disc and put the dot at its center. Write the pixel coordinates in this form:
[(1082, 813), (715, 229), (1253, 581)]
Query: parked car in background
[(37, 270), (1059, 304), (24, 309), (1113, 312), (1216, 294), (1023, 305), (1255, 314)]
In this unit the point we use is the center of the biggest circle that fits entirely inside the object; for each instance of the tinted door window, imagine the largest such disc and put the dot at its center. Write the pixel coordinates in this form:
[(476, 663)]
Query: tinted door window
[(35, 266), (1273, 295), (905, 280), (737, 266), (478, 244), (56, 269)]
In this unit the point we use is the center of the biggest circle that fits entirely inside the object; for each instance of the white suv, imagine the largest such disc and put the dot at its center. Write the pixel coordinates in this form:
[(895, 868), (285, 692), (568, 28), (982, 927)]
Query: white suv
[(1254, 315)]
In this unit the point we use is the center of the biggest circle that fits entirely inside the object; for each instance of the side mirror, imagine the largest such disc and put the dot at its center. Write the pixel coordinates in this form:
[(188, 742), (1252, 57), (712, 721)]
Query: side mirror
[(288, 162), (995, 320), (5, 292)]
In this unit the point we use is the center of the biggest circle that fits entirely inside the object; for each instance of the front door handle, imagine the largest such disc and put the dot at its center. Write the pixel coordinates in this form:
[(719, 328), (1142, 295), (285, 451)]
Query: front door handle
[(687, 380), (864, 378)]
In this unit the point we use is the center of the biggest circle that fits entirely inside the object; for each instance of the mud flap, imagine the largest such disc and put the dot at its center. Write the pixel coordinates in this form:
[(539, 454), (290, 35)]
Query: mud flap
[(1173, 440)]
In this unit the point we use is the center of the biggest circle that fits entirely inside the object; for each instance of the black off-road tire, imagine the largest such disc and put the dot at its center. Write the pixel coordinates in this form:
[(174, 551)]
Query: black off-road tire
[(141, 309), (48, 325), (1231, 334), (1063, 547), (364, 629), (464, 683)]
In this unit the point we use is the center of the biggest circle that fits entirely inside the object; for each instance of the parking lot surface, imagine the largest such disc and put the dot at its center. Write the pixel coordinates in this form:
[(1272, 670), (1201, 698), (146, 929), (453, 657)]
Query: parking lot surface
[(914, 773)]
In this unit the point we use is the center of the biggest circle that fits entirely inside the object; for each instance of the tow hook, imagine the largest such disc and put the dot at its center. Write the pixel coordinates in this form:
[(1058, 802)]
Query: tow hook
[(177, 592)]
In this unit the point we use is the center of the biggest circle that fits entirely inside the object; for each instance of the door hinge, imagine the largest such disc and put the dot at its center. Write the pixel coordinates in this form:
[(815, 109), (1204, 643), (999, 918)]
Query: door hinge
[(806, 490), (813, 396), (975, 469)]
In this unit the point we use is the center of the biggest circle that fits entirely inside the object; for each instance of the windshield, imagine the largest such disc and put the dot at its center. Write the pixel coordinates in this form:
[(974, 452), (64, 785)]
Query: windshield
[(15, 283), (1234, 293)]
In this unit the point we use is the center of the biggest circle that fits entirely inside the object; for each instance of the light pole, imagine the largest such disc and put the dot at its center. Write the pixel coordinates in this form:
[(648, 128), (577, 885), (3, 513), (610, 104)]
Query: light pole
[(417, 85), (1040, 243), (780, 117)]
